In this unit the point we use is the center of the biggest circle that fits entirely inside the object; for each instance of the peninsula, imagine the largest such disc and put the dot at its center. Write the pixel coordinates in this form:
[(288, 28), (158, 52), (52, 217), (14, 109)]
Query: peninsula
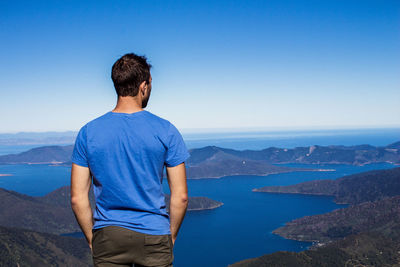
[(367, 233)]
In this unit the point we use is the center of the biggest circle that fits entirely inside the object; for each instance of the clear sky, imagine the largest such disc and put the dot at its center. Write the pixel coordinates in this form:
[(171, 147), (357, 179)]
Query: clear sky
[(216, 64)]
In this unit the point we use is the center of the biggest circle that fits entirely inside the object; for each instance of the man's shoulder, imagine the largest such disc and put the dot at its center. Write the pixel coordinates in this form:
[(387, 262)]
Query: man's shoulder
[(155, 120), (158, 118), (96, 120)]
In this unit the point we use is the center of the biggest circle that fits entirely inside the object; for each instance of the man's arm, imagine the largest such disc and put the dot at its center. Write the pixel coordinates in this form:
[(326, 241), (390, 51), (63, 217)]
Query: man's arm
[(80, 185), (179, 197)]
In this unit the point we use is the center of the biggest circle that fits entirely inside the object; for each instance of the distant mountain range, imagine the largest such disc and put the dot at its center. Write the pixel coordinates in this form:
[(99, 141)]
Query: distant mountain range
[(38, 138), (367, 233), (355, 155), (215, 162)]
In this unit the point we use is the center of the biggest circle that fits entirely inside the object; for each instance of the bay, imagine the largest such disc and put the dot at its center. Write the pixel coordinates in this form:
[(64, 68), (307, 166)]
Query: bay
[(242, 227), (239, 229)]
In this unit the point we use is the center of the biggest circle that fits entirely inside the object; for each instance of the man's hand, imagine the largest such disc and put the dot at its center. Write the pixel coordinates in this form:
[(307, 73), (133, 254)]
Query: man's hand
[(80, 185)]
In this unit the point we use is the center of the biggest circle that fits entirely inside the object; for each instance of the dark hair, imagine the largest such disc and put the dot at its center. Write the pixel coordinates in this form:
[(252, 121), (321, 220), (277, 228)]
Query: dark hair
[(128, 73)]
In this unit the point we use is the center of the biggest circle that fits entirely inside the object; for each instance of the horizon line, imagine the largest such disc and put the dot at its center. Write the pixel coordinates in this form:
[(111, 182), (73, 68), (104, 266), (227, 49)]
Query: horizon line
[(249, 129)]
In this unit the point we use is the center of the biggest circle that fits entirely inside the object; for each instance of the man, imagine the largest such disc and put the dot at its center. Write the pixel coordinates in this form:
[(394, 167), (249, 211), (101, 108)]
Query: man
[(124, 151)]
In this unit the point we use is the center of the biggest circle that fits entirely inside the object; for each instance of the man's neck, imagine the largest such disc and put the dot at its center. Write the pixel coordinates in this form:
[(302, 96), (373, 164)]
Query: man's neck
[(128, 104)]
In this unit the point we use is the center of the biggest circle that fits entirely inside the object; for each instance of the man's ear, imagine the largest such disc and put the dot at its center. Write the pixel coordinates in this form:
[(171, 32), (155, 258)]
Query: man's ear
[(143, 87)]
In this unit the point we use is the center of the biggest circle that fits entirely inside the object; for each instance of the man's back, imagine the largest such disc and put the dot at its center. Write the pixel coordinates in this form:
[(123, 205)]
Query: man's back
[(126, 154), (123, 153)]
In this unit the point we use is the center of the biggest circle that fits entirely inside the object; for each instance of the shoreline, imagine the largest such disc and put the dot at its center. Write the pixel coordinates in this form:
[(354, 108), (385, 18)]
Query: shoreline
[(262, 174), (210, 208)]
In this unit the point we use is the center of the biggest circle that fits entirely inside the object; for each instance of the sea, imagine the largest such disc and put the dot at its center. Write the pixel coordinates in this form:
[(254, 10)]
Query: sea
[(242, 227)]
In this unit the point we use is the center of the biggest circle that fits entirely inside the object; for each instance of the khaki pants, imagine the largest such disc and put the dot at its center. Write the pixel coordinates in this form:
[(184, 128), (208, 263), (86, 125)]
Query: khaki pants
[(114, 246)]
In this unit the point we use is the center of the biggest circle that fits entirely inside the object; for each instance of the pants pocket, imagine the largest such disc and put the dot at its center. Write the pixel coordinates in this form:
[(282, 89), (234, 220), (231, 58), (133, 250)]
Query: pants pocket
[(158, 249)]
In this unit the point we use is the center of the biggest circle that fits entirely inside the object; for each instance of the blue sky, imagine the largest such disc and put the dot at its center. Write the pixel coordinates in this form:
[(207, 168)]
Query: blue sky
[(216, 64)]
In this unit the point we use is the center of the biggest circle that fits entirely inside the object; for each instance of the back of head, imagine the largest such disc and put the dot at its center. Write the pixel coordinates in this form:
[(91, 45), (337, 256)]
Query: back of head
[(128, 73)]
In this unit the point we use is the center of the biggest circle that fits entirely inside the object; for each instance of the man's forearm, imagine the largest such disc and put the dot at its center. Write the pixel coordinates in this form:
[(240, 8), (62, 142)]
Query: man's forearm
[(177, 211), (84, 215)]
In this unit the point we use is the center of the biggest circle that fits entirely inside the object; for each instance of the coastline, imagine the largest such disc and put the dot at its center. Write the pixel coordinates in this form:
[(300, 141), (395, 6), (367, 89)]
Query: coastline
[(210, 208), (264, 174)]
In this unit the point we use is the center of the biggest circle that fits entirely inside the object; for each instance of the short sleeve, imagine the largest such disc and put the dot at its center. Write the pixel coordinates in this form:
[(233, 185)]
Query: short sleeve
[(79, 154), (177, 151)]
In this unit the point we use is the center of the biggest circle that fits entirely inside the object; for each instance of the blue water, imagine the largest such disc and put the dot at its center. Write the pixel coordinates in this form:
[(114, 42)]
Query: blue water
[(34, 179), (239, 229), (242, 227)]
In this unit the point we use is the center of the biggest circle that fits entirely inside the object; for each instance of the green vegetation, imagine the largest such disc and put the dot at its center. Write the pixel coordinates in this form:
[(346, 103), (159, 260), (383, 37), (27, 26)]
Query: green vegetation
[(52, 213), (369, 249), (350, 189), (19, 247)]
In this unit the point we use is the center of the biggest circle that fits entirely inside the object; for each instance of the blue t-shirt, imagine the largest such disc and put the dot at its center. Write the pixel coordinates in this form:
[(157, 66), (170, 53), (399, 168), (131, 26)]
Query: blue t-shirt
[(126, 154)]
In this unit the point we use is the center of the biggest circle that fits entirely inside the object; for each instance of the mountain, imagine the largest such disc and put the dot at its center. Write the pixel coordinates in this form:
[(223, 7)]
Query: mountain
[(44, 154), (350, 189), (22, 211), (221, 164), (367, 233), (207, 162), (52, 213), (377, 215), (369, 249), (356, 155), (20, 247)]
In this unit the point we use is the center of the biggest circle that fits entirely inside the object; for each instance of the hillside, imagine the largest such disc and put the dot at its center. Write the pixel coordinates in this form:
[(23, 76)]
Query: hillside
[(44, 154), (18, 210), (350, 189), (354, 155), (52, 213), (20, 247), (222, 164), (369, 249), (378, 215), (367, 233)]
